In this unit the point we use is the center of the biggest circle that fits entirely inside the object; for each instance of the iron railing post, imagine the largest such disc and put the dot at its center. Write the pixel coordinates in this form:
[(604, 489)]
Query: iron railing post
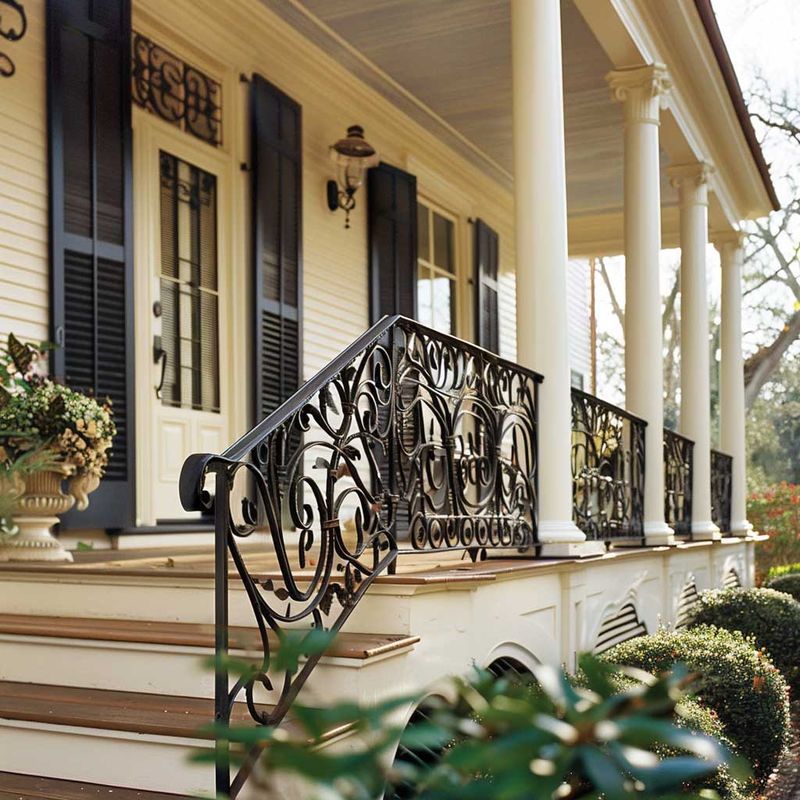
[(221, 688)]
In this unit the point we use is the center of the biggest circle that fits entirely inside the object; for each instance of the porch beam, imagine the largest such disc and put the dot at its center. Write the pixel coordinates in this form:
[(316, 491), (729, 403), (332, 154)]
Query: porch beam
[(691, 181), (540, 202), (640, 90), (731, 374)]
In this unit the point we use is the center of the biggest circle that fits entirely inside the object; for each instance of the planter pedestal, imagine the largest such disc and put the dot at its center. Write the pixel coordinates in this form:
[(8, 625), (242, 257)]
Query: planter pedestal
[(35, 515)]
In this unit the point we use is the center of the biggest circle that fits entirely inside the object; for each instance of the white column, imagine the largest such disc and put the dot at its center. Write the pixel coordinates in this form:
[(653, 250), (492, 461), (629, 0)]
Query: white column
[(691, 180), (731, 375), (640, 89), (540, 198)]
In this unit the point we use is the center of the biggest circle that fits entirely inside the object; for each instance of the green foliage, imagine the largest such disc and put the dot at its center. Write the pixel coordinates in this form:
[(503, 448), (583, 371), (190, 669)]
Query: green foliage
[(770, 617), (788, 584), (38, 414), (776, 511), (503, 739), (739, 683), (783, 569)]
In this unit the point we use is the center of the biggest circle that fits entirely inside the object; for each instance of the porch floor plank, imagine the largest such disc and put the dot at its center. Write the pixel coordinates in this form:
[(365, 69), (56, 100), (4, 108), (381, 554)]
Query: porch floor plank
[(359, 646), (14, 786), (132, 712)]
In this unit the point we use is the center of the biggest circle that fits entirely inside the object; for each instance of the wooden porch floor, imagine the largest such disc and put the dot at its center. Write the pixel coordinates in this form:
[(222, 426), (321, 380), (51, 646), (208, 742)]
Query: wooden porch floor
[(415, 568)]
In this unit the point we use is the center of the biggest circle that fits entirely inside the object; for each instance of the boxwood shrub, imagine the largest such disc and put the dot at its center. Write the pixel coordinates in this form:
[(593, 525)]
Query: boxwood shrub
[(782, 569), (771, 617), (788, 583), (694, 716), (739, 683)]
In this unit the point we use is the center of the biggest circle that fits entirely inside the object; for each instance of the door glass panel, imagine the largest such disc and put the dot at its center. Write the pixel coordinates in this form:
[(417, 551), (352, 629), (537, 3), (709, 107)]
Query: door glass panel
[(443, 243), (189, 275), (436, 269)]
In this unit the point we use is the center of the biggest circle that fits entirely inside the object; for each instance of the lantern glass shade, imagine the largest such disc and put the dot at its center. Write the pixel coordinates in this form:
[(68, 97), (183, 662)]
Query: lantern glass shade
[(353, 155)]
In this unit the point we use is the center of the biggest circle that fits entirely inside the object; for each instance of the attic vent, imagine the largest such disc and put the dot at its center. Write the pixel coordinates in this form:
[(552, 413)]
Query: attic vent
[(623, 625), (689, 596), (731, 579)]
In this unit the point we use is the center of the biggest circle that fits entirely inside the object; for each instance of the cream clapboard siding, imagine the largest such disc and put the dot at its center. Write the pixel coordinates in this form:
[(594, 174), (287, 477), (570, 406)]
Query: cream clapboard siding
[(24, 307), (335, 295), (252, 39), (579, 331)]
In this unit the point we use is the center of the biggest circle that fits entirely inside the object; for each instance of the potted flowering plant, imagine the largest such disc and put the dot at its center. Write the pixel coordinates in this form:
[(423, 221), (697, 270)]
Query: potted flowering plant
[(49, 434)]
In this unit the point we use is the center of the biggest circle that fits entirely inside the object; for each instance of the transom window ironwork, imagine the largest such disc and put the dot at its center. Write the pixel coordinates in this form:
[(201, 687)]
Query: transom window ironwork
[(165, 85), (436, 269), (189, 290)]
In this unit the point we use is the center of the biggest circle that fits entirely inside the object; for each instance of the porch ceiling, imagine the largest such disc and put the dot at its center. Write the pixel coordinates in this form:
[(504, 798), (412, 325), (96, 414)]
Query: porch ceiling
[(455, 57)]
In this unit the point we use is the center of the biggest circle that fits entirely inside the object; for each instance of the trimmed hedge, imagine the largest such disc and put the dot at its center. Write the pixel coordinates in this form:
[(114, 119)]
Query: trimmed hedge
[(788, 583), (737, 682), (770, 617), (694, 716)]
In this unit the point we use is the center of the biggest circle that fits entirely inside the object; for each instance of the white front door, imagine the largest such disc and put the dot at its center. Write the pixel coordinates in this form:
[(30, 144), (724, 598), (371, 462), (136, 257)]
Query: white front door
[(182, 301)]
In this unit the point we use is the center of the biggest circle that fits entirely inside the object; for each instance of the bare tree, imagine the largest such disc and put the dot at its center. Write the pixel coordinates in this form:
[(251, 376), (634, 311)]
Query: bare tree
[(772, 252)]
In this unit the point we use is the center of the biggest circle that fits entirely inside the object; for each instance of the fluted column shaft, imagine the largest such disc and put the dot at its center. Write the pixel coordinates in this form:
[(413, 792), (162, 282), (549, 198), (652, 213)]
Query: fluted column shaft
[(540, 197), (731, 375), (691, 181), (639, 89)]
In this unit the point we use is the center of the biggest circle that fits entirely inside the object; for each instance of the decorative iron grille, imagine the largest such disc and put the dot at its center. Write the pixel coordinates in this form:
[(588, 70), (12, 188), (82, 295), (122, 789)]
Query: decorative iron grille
[(409, 441), (678, 462), (607, 469), (721, 488), (13, 26), (165, 85)]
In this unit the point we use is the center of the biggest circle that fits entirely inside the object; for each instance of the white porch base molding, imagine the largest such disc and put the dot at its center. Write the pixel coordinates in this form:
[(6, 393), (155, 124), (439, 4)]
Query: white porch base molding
[(563, 539), (705, 531)]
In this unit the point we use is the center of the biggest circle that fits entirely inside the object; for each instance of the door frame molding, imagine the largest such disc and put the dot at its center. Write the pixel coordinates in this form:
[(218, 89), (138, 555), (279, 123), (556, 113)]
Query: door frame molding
[(150, 135)]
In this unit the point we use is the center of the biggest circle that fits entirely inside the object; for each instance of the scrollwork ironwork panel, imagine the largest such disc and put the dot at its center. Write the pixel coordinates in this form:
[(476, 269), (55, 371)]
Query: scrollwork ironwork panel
[(13, 26), (607, 469), (177, 92), (721, 489), (678, 463), (409, 441)]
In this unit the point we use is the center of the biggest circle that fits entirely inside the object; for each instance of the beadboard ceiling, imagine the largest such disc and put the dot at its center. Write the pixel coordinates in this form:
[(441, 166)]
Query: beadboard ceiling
[(454, 56)]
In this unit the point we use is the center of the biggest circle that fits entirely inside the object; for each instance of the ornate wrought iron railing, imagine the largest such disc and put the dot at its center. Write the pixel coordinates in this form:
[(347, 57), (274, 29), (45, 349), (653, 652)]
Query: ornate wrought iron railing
[(409, 441), (721, 487), (678, 461), (607, 469)]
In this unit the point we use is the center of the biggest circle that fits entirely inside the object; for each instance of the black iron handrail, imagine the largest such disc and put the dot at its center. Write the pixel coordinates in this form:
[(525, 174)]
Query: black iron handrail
[(409, 441), (678, 466), (721, 489), (608, 445)]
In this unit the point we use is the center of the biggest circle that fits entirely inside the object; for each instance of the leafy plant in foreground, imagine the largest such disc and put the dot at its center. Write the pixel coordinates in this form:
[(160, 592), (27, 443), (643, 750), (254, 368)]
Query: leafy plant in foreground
[(506, 740)]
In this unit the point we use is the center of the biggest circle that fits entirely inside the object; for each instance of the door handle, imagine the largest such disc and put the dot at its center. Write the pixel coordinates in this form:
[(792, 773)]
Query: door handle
[(159, 355)]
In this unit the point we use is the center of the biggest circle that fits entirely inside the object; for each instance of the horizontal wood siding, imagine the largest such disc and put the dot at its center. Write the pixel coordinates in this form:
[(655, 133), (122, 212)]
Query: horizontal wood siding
[(580, 356), (23, 185)]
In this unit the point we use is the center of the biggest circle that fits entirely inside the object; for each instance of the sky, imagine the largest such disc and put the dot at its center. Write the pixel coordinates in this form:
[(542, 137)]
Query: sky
[(763, 38)]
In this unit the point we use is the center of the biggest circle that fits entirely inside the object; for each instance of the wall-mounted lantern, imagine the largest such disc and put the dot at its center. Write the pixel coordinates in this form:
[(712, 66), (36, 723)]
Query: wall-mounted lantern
[(353, 155)]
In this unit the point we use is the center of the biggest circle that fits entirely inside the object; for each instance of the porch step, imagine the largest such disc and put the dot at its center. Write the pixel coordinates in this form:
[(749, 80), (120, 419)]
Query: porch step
[(127, 739), (14, 786), (173, 657)]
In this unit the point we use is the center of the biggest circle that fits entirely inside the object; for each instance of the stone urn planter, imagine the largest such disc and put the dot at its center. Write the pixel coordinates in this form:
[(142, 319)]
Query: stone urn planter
[(36, 512)]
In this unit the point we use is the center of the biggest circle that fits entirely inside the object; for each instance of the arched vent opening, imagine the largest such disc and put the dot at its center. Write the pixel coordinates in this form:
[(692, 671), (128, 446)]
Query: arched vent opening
[(619, 627), (419, 756), (511, 669), (731, 579), (689, 596)]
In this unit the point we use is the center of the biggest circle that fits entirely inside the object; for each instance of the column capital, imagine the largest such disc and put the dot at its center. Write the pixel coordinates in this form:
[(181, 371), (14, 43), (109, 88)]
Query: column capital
[(694, 174), (732, 239), (639, 89)]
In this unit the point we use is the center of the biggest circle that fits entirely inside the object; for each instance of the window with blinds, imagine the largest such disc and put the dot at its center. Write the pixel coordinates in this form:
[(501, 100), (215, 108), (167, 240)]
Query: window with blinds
[(189, 285)]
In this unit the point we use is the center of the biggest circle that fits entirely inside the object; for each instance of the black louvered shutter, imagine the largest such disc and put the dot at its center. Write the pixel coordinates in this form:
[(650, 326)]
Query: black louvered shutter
[(277, 269), (88, 89), (486, 256), (392, 219)]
